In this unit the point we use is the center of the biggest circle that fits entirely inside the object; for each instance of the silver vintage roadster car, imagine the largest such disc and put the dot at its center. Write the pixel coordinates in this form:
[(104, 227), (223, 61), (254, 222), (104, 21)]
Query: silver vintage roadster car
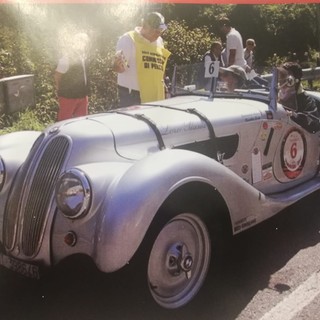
[(161, 181)]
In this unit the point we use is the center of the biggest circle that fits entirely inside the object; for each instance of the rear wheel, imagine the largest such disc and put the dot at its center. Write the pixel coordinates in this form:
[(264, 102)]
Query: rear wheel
[(179, 260)]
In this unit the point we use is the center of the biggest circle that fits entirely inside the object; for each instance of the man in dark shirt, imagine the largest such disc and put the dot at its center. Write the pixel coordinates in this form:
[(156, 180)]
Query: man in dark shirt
[(214, 54), (71, 78), (292, 95)]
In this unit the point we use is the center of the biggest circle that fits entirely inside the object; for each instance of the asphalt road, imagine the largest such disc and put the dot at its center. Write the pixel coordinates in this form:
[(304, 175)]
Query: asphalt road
[(268, 273)]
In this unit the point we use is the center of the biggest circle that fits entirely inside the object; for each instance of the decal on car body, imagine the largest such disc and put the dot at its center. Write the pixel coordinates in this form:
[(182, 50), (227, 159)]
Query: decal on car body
[(256, 166), (244, 223), (293, 153)]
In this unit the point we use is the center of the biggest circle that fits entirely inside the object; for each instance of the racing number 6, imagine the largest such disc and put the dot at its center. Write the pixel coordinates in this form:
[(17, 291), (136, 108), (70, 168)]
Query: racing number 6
[(211, 68), (293, 150)]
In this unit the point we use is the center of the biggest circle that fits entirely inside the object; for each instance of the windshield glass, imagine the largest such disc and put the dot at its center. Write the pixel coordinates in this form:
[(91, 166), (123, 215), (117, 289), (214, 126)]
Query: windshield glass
[(211, 78)]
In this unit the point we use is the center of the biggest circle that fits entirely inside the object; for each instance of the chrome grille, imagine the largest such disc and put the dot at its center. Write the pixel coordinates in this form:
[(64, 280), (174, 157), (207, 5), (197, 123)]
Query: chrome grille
[(12, 208), (34, 210)]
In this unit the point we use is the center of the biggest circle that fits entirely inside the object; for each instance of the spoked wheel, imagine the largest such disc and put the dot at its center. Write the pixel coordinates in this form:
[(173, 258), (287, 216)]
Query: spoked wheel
[(179, 261)]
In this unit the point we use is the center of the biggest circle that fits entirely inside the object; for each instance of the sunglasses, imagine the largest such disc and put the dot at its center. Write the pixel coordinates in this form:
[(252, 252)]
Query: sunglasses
[(290, 81)]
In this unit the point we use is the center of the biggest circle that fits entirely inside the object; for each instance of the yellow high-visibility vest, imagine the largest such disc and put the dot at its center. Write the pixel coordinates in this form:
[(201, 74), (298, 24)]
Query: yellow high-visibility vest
[(151, 64)]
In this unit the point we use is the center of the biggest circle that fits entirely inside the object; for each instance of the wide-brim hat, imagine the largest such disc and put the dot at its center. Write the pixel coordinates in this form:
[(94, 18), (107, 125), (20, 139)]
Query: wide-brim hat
[(237, 70)]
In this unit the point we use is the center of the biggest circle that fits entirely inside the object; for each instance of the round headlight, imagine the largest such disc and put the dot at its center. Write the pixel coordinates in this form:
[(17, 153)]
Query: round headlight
[(2, 173), (73, 194)]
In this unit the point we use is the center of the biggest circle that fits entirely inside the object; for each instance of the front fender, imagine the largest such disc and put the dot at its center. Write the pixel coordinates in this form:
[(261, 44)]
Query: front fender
[(18, 143), (14, 149), (134, 200)]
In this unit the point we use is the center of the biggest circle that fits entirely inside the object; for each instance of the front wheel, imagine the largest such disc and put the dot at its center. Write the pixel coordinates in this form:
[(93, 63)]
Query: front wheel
[(179, 261)]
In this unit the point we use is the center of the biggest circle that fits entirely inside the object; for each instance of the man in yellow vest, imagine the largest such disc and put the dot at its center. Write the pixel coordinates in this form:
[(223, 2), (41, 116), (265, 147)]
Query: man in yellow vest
[(140, 62)]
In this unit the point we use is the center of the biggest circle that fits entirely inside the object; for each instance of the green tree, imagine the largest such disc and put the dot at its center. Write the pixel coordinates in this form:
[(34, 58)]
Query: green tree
[(31, 36), (185, 44)]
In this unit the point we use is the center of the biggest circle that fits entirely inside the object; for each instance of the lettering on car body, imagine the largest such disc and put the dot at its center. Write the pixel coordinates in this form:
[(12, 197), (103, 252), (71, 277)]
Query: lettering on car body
[(245, 223)]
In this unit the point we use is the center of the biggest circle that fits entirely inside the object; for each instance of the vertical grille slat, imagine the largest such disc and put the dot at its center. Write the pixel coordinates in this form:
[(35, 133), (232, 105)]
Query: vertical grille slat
[(13, 205), (36, 187), (40, 194)]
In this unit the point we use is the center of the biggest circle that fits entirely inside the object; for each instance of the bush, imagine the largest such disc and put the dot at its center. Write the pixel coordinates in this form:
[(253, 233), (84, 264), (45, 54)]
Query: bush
[(27, 120), (186, 45), (36, 44)]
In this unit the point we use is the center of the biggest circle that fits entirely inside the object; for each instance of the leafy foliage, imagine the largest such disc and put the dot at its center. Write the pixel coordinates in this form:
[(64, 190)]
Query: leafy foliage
[(186, 45), (103, 95), (14, 55), (31, 37), (28, 120)]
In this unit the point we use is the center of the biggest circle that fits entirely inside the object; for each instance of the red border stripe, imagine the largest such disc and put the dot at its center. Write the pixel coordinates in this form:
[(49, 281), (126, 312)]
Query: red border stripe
[(164, 1)]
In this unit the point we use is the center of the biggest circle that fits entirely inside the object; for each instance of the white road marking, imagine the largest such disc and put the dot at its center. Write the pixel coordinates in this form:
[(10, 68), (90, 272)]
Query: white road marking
[(296, 301)]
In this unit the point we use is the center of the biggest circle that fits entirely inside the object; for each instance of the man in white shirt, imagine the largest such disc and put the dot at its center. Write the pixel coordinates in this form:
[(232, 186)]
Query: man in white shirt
[(234, 45), (140, 62), (248, 52)]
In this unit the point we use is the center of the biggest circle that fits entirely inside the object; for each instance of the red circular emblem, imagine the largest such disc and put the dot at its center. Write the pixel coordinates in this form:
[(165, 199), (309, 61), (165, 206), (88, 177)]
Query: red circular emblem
[(293, 153)]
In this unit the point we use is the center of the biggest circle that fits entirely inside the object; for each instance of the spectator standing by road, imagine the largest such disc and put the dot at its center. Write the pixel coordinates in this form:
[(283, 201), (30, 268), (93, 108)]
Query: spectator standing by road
[(140, 62), (248, 52), (214, 54), (234, 45), (71, 79)]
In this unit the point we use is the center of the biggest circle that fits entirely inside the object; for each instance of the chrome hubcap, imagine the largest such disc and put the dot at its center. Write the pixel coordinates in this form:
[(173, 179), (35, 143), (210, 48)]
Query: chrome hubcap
[(179, 260)]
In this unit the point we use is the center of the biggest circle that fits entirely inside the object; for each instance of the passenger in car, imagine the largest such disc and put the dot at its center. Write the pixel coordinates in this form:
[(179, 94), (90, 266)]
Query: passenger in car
[(301, 106), (234, 77)]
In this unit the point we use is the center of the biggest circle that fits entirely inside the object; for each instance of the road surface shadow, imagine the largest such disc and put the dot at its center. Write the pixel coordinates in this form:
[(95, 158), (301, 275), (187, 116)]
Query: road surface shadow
[(78, 291)]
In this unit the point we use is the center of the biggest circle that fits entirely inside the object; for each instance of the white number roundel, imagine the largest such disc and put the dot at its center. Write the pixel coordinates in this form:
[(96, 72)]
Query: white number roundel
[(293, 154)]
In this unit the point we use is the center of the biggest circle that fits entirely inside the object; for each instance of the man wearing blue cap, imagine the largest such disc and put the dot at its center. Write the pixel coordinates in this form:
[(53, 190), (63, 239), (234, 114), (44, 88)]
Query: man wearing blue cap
[(140, 62)]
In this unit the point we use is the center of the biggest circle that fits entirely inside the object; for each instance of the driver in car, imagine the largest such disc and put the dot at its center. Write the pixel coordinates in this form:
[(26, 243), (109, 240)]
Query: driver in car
[(234, 77), (302, 107)]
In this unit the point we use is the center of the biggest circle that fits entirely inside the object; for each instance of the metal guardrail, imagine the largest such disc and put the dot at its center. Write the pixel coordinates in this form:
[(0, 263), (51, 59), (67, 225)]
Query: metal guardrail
[(311, 73), (308, 74)]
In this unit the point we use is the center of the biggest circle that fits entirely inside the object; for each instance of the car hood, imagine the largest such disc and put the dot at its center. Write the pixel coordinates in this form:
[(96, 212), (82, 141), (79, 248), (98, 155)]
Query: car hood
[(136, 130)]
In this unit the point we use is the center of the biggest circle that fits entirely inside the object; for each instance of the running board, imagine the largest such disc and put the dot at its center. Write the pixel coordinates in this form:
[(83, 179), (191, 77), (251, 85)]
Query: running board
[(296, 193)]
